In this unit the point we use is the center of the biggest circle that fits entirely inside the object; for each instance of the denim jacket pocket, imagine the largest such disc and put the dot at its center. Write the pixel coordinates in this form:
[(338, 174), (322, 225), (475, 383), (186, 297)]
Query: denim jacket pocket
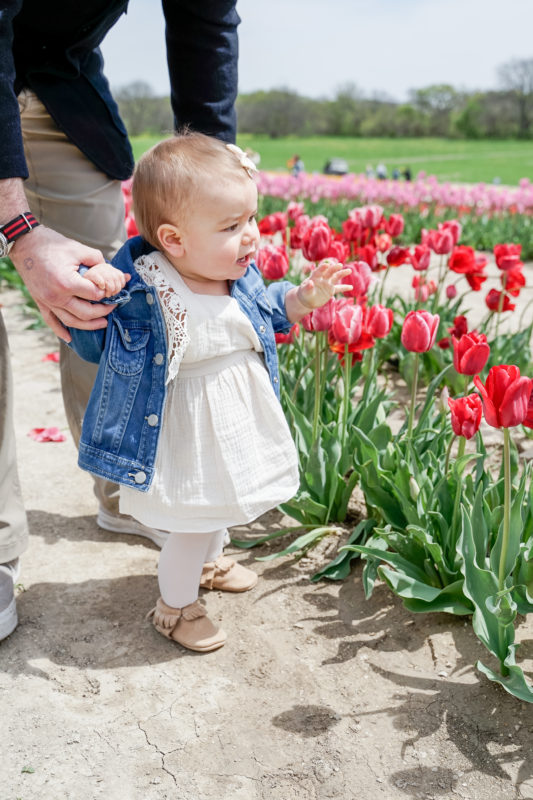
[(127, 350)]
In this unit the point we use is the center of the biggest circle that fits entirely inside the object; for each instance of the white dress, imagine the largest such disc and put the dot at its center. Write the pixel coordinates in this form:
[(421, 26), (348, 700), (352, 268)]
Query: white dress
[(225, 453)]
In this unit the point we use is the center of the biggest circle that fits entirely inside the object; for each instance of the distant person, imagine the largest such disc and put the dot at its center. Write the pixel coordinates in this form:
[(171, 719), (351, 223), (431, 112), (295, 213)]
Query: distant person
[(297, 165), (395, 174), (406, 174), (218, 448), (381, 172), (369, 172)]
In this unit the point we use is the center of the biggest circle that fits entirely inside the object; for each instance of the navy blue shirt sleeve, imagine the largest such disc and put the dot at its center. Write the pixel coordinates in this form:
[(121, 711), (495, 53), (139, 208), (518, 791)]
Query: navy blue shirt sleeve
[(12, 161), (202, 55)]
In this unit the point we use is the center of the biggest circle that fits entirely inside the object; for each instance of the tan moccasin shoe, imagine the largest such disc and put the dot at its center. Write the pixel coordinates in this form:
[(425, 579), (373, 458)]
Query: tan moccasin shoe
[(227, 575), (189, 626)]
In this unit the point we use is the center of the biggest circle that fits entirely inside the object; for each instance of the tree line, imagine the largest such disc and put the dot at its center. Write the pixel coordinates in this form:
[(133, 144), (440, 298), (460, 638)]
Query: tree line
[(437, 110)]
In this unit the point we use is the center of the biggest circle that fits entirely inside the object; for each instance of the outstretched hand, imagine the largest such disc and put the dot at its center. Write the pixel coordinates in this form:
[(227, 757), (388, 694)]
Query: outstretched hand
[(323, 283)]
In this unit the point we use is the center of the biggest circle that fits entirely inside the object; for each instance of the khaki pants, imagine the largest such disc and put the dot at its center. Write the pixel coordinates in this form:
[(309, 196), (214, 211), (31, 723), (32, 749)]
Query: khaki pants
[(68, 193)]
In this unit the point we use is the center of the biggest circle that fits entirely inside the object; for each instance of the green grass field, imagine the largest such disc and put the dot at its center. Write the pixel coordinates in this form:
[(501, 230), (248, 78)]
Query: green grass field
[(449, 160)]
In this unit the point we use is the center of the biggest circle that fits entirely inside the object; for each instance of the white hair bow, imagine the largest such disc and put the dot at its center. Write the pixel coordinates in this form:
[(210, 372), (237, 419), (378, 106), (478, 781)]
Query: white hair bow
[(245, 162)]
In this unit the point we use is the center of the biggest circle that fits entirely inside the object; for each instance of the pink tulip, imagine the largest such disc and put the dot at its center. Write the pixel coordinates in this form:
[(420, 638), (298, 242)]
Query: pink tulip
[(347, 324), (419, 331), (421, 257), (379, 321), (360, 278)]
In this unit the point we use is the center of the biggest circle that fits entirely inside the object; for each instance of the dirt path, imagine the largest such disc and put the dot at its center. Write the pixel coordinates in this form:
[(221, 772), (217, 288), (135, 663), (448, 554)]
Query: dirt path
[(318, 693)]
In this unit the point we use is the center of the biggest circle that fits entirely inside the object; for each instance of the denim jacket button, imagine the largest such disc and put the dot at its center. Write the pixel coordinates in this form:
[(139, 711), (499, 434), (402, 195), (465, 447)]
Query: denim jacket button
[(159, 358), (140, 477), (149, 299), (152, 420), (262, 329), (275, 378)]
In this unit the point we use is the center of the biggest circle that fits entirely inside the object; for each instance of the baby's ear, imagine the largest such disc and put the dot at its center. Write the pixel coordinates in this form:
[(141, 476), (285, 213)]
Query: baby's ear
[(170, 239)]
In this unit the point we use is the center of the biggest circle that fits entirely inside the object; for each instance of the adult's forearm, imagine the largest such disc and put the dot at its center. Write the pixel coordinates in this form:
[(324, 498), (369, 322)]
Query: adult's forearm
[(12, 199)]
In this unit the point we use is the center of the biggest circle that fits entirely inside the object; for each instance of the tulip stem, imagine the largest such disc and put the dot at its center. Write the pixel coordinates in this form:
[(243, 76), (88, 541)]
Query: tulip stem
[(506, 529), (413, 397), (506, 507), (448, 454), (382, 288), (457, 502), (318, 381), (500, 303), (347, 390)]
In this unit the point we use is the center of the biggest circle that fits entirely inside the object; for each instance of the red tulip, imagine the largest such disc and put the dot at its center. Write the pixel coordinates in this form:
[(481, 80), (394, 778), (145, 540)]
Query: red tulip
[(295, 210), (505, 396), (507, 256), (383, 242), (320, 319), (272, 223), (528, 421), (451, 292), (421, 257), (379, 321), (288, 338), (441, 242), (394, 225), (460, 326), (513, 280), (493, 301), (316, 241), (477, 276), (297, 233), (470, 353), (352, 229), (397, 256), (454, 227), (419, 331), (347, 324), (273, 262), (371, 216), (466, 415), (360, 278), (423, 289), (462, 259), (369, 255), (131, 226), (444, 343), (338, 250)]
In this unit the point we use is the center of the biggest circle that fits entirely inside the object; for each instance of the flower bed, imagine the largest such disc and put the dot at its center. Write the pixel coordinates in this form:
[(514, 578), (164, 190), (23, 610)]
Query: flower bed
[(488, 214), (444, 526)]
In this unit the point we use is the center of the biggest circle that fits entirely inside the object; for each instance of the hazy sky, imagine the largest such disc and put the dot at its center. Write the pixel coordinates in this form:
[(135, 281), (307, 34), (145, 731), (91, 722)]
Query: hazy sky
[(315, 46)]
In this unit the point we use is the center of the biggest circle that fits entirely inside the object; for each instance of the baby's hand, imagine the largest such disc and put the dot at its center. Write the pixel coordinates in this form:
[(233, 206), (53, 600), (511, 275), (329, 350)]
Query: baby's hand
[(322, 284), (109, 279)]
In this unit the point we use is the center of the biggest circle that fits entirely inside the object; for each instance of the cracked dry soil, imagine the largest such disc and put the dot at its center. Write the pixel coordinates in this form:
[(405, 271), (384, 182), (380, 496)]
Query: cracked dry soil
[(317, 694)]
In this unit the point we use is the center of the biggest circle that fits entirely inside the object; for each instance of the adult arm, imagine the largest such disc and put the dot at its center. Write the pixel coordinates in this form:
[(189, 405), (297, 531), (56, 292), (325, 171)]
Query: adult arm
[(202, 55), (46, 261), (48, 264)]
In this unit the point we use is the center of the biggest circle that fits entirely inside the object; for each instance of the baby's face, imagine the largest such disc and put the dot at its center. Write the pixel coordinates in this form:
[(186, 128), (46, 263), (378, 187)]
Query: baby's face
[(220, 236)]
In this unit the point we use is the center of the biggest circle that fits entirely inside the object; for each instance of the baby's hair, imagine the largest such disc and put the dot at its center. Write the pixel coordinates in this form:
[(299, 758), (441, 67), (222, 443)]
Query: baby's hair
[(170, 176)]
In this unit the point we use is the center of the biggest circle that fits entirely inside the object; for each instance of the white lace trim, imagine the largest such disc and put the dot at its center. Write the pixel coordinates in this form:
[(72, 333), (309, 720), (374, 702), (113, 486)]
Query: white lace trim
[(174, 311)]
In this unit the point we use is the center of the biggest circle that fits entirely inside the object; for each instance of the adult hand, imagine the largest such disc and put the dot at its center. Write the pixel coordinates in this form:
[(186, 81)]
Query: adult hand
[(48, 264)]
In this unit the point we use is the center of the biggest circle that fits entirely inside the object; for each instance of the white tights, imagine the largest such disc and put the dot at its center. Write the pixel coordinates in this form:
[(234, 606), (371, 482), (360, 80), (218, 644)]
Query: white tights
[(181, 561)]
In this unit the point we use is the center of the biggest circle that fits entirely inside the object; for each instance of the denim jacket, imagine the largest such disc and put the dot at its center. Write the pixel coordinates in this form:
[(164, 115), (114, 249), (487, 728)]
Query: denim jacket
[(123, 418)]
